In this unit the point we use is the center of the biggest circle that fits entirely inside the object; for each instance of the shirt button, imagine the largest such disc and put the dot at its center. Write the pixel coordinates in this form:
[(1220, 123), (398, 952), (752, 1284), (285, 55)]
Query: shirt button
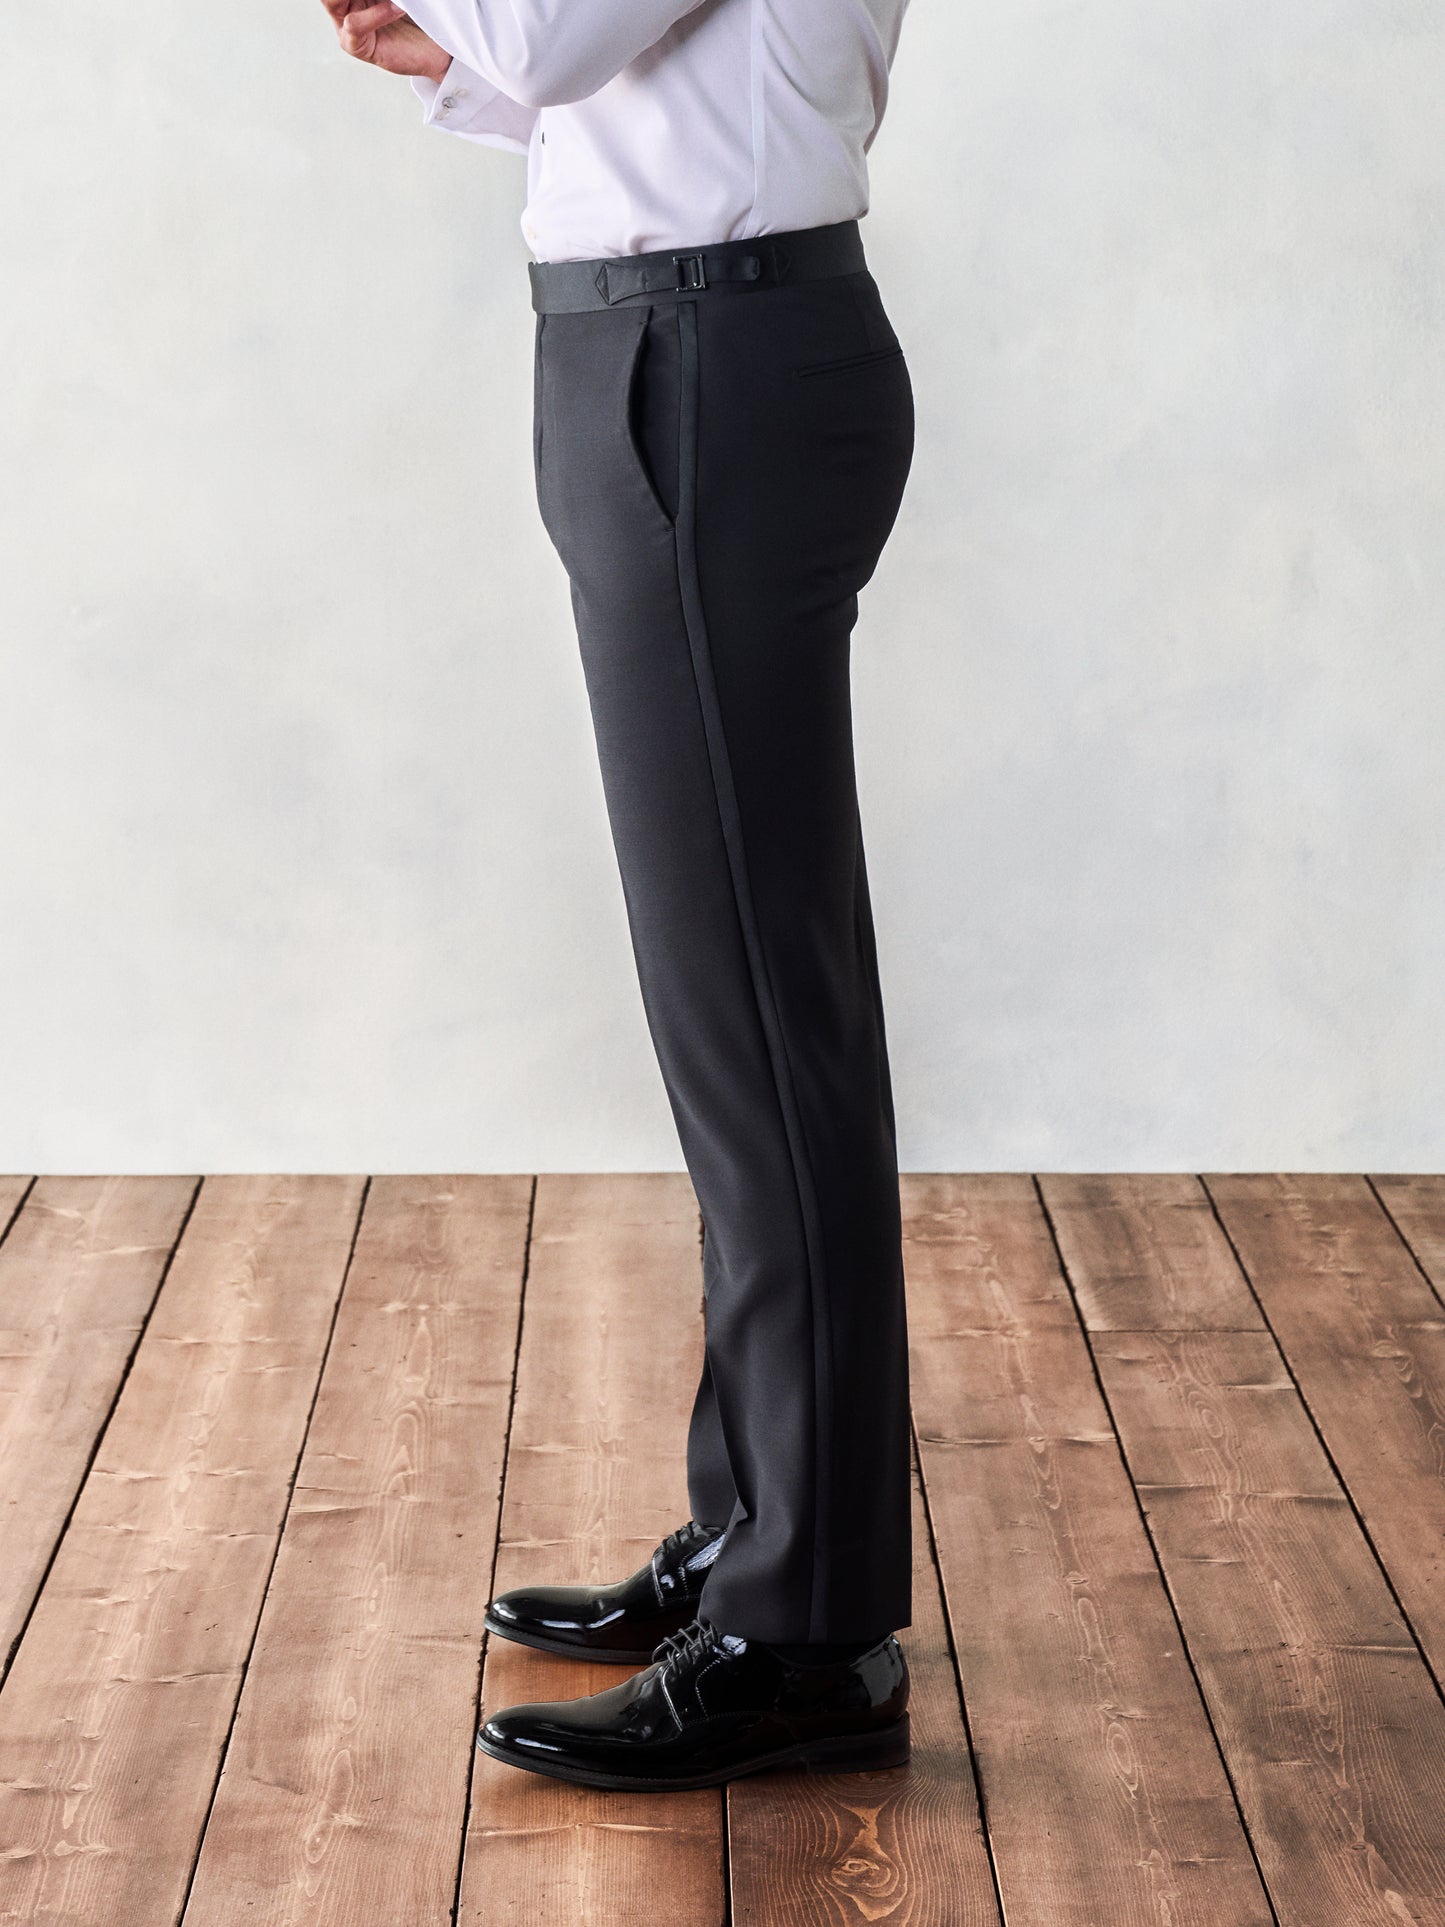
[(449, 100)]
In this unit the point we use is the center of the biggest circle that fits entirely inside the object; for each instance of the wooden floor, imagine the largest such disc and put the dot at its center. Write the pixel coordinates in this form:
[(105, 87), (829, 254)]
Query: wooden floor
[(268, 1445)]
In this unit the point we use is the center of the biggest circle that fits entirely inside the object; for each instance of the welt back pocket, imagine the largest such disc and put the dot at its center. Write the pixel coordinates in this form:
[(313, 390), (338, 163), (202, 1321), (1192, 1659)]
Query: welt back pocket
[(841, 366)]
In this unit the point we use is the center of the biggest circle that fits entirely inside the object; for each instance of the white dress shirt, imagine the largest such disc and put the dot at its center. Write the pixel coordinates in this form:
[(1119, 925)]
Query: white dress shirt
[(668, 123)]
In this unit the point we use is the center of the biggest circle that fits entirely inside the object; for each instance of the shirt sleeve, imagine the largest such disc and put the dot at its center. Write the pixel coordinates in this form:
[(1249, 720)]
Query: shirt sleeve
[(544, 53), (463, 103)]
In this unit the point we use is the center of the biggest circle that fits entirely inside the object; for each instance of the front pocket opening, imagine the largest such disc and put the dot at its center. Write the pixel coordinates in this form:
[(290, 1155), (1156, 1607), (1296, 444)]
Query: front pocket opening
[(633, 415)]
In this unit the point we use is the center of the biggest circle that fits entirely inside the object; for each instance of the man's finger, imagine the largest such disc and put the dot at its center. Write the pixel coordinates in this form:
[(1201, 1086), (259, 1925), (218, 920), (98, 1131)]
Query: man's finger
[(342, 11), (371, 18)]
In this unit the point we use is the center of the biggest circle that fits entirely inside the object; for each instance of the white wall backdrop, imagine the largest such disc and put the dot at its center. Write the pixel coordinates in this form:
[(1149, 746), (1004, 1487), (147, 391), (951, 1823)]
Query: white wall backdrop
[(304, 859)]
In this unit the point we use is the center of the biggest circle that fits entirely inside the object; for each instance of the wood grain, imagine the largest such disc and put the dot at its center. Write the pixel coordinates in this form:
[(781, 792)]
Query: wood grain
[(1365, 1338), (1330, 1722), (904, 1847), (347, 1776), (1416, 1206), (596, 1475), (79, 1272), (343, 1798), (1104, 1792), (116, 1710), (1146, 1252)]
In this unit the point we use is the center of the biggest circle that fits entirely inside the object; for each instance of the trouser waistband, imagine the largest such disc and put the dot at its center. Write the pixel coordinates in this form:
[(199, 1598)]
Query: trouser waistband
[(762, 261)]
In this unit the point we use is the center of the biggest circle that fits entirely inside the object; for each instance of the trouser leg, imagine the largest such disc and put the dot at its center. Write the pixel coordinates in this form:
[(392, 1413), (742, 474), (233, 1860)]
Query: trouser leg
[(715, 600)]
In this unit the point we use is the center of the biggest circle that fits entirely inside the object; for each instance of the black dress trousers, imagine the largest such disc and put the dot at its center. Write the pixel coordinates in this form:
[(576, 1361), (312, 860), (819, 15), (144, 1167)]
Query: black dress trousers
[(719, 470)]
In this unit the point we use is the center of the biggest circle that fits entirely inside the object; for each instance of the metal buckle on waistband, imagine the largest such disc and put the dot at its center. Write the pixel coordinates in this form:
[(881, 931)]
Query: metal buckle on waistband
[(693, 264)]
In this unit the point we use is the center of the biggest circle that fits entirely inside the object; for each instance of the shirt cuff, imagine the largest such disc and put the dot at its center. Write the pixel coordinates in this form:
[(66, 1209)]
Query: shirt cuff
[(463, 103)]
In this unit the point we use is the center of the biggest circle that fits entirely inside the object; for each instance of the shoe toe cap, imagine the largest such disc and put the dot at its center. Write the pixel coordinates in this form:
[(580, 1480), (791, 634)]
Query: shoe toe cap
[(561, 1606), (498, 1729), (513, 1608), (525, 1731)]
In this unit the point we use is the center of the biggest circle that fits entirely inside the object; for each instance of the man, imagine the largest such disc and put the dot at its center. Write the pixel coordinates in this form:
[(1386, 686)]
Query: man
[(722, 431)]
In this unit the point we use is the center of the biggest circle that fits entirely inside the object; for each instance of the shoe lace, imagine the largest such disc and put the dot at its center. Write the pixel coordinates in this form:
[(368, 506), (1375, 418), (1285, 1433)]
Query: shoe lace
[(672, 1545), (690, 1549), (692, 1642)]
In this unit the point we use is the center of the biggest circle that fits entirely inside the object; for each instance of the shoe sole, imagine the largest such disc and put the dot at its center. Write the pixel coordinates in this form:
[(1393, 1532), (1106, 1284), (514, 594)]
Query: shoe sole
[(609, 1655), (887, 1746)]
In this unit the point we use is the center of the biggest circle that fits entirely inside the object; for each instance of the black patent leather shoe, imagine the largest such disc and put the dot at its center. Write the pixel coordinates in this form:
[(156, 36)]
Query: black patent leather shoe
[(623, 1621), (712, 1707)]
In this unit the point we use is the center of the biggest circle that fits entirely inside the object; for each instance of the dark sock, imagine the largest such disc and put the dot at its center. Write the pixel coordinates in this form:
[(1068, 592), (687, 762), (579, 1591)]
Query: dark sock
[(816, 1654)]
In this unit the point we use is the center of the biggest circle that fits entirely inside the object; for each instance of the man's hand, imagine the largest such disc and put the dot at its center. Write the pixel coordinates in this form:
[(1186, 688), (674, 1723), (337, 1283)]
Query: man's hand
[(382, 35)]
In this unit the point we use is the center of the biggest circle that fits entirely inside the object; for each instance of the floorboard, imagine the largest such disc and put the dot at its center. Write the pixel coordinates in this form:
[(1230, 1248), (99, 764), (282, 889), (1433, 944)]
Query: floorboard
[(610, 1356), (344, 1792), (13, 1191), (1105, 1795), (79, 1272), (1364, 1337), (1416, 1206), (1146, 1253), (269, 1444), (117, 1706), (1329, 1720), (903, 1847)]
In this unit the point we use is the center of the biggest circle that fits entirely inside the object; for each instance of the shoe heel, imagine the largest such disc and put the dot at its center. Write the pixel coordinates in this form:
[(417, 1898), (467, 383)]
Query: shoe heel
[(859, 1752)]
